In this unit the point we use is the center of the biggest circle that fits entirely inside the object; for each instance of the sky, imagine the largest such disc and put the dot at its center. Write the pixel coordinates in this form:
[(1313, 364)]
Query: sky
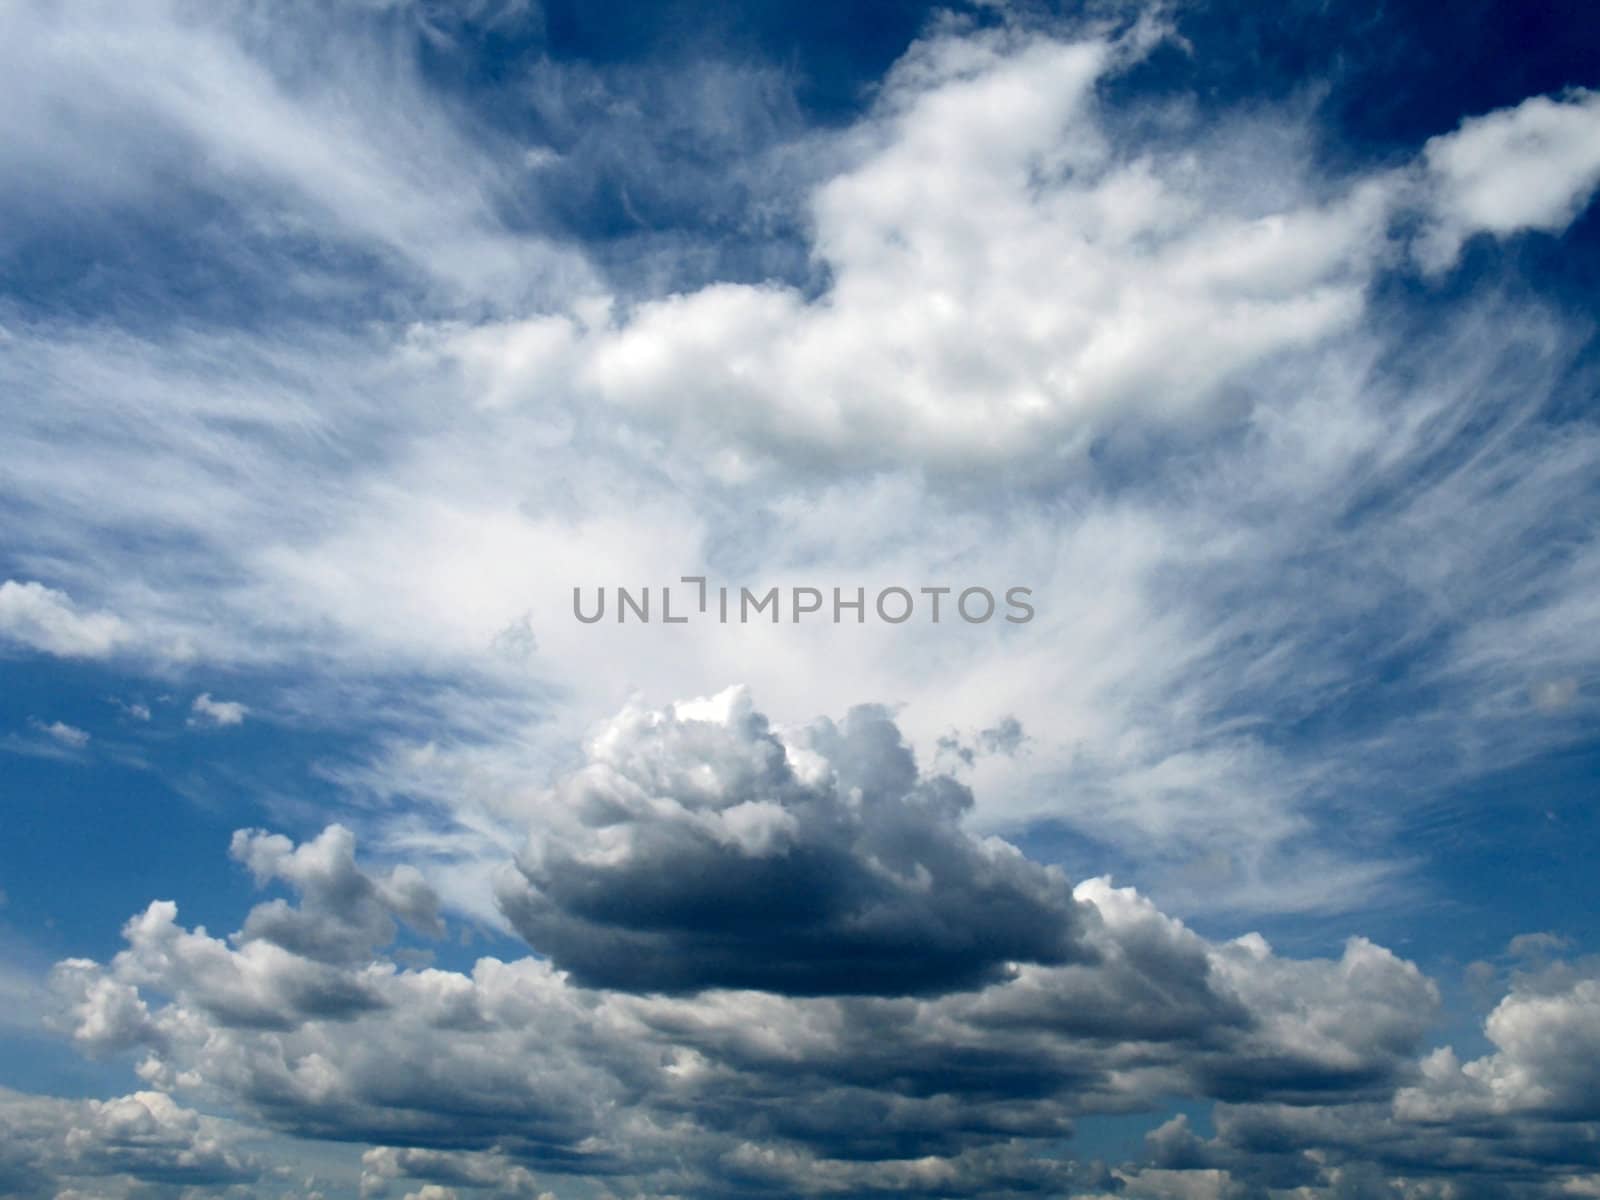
[(353, 355)]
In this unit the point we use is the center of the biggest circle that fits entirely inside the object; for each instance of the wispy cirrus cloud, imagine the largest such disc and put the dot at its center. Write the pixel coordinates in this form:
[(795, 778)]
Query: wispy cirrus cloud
[(1078, 294), (1310, 533)]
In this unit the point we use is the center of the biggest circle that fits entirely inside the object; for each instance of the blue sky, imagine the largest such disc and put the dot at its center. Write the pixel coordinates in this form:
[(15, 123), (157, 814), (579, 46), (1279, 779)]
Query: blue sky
[(339, 344)]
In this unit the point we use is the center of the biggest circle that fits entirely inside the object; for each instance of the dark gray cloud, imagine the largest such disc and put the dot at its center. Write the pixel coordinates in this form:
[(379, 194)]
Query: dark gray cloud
[(141, 1144), (519, 1076), (344, 914), (707, 850), (1520, 1121)]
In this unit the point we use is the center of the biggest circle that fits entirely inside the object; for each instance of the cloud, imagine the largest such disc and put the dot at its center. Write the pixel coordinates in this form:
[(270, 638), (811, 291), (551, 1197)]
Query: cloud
[(1534, 166), (345, 914), (69, 736), (134, 710), (217, 714), (705, 850), (1042, 281), (1537, 945), (1546, 1038), (516, 1073), (1255, 494), (44, 619), (221, 106), (383, 1164), (1520, 1120), (115, 1148), (1102, 288), (1005, 737)]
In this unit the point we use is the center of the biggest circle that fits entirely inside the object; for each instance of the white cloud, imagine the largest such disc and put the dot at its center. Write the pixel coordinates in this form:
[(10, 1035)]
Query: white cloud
[(43, 618), (1240, 485), (1235, 481), (69, 736), (115, 1148), (216, 713), (134, 710), (1003, 278), (1532, 167), (1546, 1058)]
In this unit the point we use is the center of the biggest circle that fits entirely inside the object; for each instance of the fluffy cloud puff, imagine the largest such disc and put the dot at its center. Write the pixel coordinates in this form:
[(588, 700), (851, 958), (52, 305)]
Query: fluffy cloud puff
[(344, 913), (701, 849), (45, 619), (1521, 1120), (1000, 277), (115, 1148), (1533, 166), (1008, 273), (1545, 1063)]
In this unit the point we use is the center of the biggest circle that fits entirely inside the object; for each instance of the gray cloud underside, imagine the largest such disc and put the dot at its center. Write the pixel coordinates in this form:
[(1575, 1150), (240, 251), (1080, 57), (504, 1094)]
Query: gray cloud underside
[(516, 1075)]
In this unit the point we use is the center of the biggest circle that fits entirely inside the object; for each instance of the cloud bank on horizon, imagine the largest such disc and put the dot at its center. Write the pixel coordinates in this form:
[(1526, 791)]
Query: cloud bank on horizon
[(339, 347), (772, 964)]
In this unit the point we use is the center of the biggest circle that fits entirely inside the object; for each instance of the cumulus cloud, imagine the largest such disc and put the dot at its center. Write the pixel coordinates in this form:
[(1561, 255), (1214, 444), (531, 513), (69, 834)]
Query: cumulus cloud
[(1520, 1120), (345, 913), (1001, 279), (1545, 1062), (116, 1148), (1004, 278), (217, 714), (515, 1073), (381, 1165), (705, 850), (1534, 166), (43, 618)]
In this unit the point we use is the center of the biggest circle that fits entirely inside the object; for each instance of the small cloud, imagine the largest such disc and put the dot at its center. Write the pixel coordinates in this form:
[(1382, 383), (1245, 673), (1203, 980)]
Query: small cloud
[(1537, 945), (216, 713), (1005, 738), (68, 735), (44, 619), (138, 712), (1554, 695), (1479, 175)]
